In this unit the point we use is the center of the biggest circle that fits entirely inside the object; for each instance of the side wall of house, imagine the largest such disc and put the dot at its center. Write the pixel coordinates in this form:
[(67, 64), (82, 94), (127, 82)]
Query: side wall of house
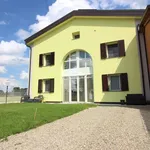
[(93, 32), (147, 39)]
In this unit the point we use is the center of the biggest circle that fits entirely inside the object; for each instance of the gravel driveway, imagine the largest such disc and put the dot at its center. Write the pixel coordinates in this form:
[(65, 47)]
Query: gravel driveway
[(100, 128)]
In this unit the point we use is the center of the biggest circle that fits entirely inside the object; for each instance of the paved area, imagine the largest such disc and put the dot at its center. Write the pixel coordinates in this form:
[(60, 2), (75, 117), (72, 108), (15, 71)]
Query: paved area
[(100, 128)]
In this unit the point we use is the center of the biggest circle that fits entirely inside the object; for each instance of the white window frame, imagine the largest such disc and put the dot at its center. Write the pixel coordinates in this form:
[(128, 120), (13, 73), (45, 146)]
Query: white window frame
[(109, 82), (107, 48), (77, 59)]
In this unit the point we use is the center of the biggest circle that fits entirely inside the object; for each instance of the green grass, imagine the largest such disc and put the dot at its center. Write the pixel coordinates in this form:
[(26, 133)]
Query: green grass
[(16, 118)]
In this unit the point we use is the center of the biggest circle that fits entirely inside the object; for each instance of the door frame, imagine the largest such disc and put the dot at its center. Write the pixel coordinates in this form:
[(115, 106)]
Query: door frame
[(78, 92)]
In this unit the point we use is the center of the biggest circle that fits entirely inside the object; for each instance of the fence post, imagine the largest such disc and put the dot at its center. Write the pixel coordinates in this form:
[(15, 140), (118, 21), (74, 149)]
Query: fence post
[(6, 93)]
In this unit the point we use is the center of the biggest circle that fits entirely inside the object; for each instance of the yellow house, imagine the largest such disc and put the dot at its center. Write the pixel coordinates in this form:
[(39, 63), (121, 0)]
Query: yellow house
[(87, 56)]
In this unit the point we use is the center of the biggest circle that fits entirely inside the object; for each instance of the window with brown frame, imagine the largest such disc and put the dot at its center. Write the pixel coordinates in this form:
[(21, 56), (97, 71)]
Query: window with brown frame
[(115, 82), (112, 49)]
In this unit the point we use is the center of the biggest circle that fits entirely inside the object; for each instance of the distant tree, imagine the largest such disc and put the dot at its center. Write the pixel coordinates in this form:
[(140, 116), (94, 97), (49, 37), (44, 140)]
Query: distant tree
[(16, 89), (23, 91), (1, 92)]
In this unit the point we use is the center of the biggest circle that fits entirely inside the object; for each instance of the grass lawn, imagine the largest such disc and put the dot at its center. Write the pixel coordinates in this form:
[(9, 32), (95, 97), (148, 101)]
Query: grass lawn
[(16, 118)]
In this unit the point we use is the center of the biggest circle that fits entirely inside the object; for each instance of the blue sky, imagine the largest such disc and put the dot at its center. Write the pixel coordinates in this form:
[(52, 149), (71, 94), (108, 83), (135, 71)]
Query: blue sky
[(21, 18)]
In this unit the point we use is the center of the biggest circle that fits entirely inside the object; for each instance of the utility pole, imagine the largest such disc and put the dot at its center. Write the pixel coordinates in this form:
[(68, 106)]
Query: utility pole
[(6, 93)]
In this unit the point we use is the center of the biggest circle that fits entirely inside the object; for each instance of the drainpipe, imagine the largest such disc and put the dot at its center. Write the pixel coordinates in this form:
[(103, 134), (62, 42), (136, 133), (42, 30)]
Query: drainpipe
[(29, 83), (138, 26)]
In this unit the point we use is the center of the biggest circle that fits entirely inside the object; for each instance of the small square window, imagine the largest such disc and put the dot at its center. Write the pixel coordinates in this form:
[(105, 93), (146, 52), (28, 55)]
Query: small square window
[(113, 50), (47, 85), (76, 35), (73, 64), (114, 83), (47, 59)]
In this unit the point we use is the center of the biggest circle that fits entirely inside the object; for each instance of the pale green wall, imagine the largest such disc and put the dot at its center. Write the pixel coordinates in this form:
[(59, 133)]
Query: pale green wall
[(92, 33)]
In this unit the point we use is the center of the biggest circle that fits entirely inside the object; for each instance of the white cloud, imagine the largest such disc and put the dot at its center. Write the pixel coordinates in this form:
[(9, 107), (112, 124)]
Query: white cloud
[(12, 48), (3, 69), (2, 23), (24, 75), (8, 82), (13, 60), (11, 76), (61, 7), (22, 34), (12, 53)]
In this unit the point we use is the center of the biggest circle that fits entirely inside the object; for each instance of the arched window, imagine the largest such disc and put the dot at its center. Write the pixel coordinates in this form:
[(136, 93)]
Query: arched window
[(78, 77), (78, 59)]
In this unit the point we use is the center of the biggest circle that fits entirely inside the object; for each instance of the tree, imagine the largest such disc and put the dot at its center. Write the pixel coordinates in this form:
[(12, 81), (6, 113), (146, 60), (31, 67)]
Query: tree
[(1, 92), (16, 89)]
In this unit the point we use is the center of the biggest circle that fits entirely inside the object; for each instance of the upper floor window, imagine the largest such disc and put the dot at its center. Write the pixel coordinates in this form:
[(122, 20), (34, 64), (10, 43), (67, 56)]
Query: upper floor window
[(78, 59), (112, 49), (47, 59)]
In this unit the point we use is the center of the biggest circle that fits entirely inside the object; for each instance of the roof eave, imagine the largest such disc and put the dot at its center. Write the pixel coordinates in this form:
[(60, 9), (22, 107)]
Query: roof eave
[(82, 12)]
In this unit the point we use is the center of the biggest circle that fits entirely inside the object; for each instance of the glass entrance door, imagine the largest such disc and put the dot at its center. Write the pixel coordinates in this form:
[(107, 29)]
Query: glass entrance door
[(78, 89)]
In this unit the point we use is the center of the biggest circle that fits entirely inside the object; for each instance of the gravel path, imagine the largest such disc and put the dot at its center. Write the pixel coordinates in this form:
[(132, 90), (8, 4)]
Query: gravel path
[(100, 128)]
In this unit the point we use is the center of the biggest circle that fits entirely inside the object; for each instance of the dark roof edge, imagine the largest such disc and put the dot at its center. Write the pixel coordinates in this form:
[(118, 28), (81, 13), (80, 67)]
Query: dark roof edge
[(146, 16), (87, 12)]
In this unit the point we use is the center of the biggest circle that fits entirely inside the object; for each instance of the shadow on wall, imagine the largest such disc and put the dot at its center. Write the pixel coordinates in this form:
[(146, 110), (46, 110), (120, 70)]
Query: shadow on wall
[(129, 64)]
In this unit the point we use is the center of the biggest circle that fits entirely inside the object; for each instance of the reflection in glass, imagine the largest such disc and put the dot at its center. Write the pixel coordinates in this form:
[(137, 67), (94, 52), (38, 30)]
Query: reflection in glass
[(74, 88), (66, 65), (82, 54), (82, 63), (90, 88), (66, 89), (73, 55), (73, 64), (81, 89)]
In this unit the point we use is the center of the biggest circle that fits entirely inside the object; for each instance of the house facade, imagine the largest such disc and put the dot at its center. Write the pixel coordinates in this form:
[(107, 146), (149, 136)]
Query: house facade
[(87, 56)]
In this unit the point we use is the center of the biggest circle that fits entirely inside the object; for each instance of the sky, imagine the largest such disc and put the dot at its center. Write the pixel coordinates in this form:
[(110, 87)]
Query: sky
[(20, 19)]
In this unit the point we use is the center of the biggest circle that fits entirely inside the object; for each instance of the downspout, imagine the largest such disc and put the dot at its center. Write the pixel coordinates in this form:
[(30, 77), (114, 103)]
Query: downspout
[(138, 26), (29, 83)]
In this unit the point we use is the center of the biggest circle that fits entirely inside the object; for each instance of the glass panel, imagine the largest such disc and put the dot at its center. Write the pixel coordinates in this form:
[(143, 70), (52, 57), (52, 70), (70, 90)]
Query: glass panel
[(47, 85), (48, 57), (88, 63), (115, 85), (82, 54), (113, 50), (81, 89), (66, 65), (82, 63), (73, 55), (66, 89), (90, 93), (74, 88), (73, 64), (87, 55), (67, 58)]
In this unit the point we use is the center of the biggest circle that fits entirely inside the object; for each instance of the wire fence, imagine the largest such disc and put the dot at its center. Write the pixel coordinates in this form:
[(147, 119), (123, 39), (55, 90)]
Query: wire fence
[(11, 97)]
